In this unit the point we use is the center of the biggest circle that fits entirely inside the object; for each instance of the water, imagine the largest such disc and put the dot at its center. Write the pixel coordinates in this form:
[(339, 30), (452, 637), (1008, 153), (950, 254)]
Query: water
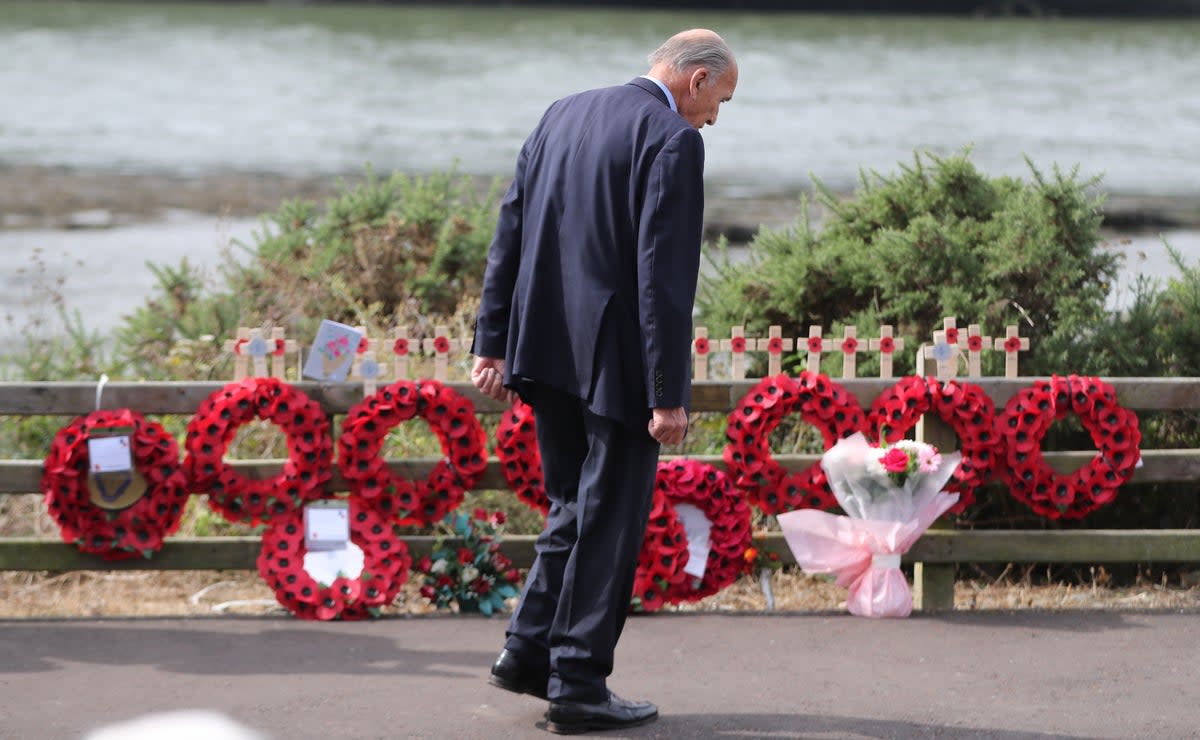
[(188, 88), (299, 89)]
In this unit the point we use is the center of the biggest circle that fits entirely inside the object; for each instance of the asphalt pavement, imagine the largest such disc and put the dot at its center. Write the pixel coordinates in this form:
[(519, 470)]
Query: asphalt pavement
[(1005, 675)]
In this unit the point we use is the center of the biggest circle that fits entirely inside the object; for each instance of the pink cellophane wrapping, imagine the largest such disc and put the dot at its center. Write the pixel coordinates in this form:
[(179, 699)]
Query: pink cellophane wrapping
[(863, 550)]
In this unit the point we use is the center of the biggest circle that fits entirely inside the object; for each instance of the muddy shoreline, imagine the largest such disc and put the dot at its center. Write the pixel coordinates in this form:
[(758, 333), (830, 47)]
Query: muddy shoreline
[(48, 197)]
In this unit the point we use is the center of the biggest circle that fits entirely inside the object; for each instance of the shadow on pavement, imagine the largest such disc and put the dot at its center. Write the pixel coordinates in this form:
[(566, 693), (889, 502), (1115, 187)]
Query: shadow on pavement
[(254, 650), (805, 726)]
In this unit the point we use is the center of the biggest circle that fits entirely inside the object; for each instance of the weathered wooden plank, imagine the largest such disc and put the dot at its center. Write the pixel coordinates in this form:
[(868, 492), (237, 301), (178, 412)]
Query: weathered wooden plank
[(24, 476), (214, 553), (182, 397), (176, 397), (935, 547), (1040, 546), (208, 553), (1059, 546)]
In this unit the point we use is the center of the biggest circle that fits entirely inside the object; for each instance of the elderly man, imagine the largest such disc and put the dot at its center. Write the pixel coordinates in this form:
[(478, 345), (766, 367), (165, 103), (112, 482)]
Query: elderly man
[(586, 314)]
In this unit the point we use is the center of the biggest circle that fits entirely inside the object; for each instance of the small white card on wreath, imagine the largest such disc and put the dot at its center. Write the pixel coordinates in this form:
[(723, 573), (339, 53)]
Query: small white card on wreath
[(326, 525), (326, 566), (332, 352), (698, 527), (109, 454)]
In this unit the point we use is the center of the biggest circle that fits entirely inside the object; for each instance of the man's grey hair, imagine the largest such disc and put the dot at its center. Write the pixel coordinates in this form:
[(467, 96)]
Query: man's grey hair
[(681, 53)]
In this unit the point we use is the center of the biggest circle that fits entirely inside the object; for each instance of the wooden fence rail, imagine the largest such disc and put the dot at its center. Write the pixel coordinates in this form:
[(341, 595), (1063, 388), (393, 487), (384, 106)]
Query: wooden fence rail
[(934, 555)]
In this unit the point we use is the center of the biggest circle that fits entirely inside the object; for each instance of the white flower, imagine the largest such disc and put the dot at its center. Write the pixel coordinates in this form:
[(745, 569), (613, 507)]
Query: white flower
[(874, 462), (439, 566), (469, 573)]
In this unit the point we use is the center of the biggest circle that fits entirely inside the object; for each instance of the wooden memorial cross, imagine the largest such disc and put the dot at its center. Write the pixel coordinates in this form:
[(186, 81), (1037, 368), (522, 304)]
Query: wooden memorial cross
[(849, 348), (774, 345), (700, 354), (736, 344), (439, 345), (1011, 344), (945, 355), (250, 347), (950, 326), (815, 347), (366, 365), (976, 344), (886, 345), (400, 351), (235, 346), (280, 349)]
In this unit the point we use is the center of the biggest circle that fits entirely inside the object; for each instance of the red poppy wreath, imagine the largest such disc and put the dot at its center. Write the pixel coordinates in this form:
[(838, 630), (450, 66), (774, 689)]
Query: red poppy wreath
[(139, 528), (355, 594), (1113, 428), (822, 403), (965, 407), (684, 482), (663, 555), (520, 460), (452, 419), (308, 467)]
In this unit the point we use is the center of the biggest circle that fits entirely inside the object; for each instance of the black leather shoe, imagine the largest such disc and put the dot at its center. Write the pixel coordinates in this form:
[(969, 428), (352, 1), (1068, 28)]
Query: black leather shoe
[(573, 717), (510, 674)]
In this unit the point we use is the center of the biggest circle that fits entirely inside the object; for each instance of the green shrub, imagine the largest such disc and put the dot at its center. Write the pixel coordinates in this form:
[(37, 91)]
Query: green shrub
[(401, 250), (937, 239)]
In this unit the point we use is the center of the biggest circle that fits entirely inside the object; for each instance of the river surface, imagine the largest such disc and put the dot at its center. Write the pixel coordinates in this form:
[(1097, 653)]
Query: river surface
[(185, 89)]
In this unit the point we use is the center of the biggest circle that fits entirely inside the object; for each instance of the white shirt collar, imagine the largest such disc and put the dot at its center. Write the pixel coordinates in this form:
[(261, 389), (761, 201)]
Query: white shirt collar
[(661, 86)]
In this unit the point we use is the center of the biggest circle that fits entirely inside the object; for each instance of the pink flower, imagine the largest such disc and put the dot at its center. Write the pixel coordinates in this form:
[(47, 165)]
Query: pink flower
[(895, 461), (928, 460)]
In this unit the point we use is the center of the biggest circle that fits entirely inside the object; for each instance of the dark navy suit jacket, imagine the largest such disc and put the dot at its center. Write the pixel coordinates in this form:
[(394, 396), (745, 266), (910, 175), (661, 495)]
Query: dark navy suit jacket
[(591, 277)]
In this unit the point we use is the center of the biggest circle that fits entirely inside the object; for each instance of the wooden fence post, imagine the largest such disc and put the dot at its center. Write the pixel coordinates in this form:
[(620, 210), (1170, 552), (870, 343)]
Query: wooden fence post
[(933, 584)]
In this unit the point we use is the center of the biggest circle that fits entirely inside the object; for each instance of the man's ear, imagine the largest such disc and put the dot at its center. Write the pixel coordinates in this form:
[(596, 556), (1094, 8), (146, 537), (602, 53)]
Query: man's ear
[(698, 80)]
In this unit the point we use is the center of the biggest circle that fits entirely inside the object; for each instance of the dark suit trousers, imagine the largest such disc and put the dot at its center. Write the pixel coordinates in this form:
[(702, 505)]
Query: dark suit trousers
[(599, 476)]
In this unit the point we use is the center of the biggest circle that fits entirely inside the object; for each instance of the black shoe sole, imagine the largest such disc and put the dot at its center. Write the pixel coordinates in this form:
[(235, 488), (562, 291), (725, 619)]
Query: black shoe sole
[(575, 728), (515, 688)]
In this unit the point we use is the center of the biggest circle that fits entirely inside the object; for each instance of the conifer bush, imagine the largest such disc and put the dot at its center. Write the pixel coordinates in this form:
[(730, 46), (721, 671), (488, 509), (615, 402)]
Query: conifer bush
[(939, 238)]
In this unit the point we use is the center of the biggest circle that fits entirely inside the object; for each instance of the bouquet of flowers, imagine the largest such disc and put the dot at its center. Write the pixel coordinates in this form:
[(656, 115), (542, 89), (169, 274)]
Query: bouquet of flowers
[(466, 569), (891, 495)]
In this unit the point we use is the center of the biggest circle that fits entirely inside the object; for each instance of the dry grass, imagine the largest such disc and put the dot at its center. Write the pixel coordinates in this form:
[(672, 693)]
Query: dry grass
[(86, 594)]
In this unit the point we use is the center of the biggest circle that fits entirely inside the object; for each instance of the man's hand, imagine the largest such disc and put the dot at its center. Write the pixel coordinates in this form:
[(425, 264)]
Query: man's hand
[(488, 377), (669, 426)]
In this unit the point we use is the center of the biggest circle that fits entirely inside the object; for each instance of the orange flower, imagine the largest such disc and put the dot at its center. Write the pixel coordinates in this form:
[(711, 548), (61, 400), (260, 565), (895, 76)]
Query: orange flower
[(750, 555)]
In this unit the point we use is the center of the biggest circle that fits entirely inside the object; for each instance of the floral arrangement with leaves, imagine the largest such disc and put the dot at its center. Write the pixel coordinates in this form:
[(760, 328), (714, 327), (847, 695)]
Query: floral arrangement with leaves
[(758, 557), (466, 570)]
